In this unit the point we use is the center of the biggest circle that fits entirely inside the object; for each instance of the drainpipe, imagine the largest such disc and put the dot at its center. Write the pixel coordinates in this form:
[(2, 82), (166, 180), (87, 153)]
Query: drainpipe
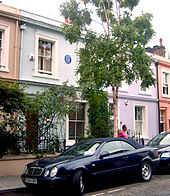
[(15, 50), (22, 27), (157, 83)]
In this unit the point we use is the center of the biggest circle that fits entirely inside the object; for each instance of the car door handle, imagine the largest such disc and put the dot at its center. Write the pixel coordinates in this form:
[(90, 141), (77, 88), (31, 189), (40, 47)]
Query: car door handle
[(126, 157)]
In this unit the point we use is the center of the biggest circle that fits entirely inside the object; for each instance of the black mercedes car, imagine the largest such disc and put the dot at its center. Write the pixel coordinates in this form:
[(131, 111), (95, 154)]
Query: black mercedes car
[(91, 159), (162, 143)]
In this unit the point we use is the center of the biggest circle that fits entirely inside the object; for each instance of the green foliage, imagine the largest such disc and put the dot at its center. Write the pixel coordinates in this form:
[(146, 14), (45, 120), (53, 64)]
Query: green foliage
[(12, 100), (128, 3), (8, 143), (12, 97), (34, 119), (116, 54), (44, 114), (71, 33), (99, 115), (78, 17)]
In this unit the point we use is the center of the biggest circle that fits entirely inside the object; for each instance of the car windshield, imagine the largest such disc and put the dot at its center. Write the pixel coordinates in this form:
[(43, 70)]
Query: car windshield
[(160, 140), (82, 148)]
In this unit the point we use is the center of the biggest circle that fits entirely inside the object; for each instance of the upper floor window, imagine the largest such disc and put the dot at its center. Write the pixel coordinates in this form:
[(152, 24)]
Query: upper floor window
[(4, 47), (165, 77), (0, 47), (123, 86), (145, 91), (46, 56)]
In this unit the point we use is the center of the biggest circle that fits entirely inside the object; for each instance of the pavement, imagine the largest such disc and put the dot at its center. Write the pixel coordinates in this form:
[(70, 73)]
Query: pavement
[(8, 183), (11, 167)]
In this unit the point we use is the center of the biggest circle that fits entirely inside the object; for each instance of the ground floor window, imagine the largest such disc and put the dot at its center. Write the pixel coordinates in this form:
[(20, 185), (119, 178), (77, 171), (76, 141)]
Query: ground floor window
[(139, 119), (162, 120), (77, 122)]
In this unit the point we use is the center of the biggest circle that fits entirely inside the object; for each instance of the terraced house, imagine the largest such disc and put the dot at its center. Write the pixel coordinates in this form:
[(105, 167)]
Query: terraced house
[(138, 109), (163, 73), (48, 59), (164, 93), (34, 52), (9, 42)]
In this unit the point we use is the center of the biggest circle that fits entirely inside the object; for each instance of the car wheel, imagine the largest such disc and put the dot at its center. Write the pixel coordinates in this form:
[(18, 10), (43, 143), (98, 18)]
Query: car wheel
[(78, 183), (146, 171)]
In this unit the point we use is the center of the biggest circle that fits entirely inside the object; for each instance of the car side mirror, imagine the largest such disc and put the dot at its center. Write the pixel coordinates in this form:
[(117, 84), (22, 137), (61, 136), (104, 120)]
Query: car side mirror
[(104, 154)]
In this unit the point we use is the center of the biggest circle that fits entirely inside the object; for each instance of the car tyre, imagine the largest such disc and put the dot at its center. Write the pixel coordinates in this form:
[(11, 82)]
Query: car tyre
[(78, 183), (146, 171)]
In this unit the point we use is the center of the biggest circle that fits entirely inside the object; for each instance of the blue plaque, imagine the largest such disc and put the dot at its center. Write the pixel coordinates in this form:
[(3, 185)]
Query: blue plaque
[(68, 59)]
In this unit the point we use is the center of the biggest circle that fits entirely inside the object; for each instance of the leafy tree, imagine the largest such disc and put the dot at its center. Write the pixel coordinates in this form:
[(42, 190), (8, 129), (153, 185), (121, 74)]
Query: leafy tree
[(99, 115), (12, 100), (117, 53), (12, 97), (33, 119), (44, 113)]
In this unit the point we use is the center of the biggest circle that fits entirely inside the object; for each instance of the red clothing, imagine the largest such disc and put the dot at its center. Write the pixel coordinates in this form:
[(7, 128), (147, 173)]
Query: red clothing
[(123, 134)]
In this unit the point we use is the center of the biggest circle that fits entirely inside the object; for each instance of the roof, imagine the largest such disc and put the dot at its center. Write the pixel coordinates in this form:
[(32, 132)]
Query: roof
[(133, 142)]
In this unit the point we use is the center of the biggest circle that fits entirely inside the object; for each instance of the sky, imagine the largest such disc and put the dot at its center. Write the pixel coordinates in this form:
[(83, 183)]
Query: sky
[(159, 8)]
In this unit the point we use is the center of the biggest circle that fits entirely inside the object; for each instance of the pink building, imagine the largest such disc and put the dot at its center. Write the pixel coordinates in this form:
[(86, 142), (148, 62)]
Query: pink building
[(164, 92), (163, 70), (10, 36)]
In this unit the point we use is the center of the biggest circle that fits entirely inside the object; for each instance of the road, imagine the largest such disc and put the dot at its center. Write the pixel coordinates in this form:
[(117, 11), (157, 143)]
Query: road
[(158, 186)]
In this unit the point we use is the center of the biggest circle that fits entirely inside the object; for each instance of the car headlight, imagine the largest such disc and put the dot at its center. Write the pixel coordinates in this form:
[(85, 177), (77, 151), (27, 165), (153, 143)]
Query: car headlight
[(25, 169), (46, 173), (165, 154), (53, 172)]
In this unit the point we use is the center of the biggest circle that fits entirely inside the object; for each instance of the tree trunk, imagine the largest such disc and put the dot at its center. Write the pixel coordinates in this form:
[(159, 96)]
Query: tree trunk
[(115, 108)]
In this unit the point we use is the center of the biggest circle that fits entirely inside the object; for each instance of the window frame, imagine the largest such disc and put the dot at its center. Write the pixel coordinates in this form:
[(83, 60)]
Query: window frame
[(43, 56), (162, 122), (111, 148), (1, 45), (145, 91), (54, 64), (5, 48), (165, 84), (145, 131), (120, 146), (76, 120), (123, 86), (71, 142)]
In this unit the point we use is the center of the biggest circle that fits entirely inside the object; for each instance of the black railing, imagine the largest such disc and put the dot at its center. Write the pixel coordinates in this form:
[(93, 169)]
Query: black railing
[(137, 137)]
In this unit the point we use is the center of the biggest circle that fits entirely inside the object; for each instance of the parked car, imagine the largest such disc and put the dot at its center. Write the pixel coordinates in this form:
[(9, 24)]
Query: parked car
[(162, 143), (93, 158)]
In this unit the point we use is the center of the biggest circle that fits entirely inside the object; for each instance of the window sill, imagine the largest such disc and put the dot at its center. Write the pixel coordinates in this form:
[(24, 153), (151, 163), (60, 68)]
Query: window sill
[(4, 70), (166, 96), (45, 76), (70, 142), (145, 93), (123, 90)]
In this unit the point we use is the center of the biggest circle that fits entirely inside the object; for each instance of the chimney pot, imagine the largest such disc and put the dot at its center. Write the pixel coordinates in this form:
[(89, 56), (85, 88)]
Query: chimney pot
[(160, 41)]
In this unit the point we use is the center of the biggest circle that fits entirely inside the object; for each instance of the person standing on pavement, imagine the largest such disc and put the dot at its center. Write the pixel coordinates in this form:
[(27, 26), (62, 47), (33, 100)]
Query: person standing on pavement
[(123, 133)]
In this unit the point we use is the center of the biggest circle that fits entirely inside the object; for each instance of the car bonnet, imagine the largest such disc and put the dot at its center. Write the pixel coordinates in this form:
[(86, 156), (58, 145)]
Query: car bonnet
[(53, 160)]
